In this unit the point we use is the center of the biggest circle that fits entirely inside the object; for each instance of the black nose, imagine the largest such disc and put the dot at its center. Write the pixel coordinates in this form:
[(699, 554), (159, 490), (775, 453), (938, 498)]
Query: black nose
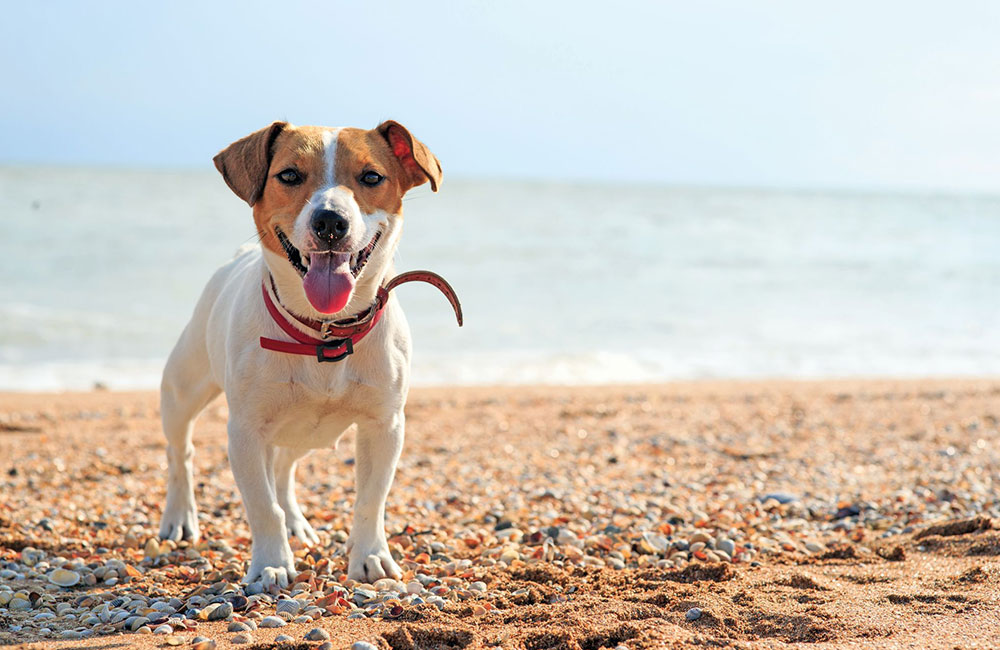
[(329, 225)]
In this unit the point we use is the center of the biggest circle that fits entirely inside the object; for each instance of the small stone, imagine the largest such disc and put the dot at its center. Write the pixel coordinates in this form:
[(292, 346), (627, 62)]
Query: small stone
[(727, 546), (64, 577), (414, 587), (326, 645), (283, 638), (615, 563), (317, 634), (363, 645), (70, 634), (702, 537), (272, 621), (813, 547), (780, 497), (152, 549), (242, 638), (693, 614)]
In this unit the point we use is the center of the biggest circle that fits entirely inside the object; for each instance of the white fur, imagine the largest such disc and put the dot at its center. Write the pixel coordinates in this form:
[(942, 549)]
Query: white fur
[(283, 405)]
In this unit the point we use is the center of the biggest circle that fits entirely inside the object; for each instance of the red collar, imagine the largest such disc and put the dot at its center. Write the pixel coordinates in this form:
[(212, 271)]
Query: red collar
[(335, 340)]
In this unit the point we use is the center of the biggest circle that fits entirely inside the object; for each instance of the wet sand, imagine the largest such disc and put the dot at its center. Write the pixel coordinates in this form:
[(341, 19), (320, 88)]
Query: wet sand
[(826, 514)]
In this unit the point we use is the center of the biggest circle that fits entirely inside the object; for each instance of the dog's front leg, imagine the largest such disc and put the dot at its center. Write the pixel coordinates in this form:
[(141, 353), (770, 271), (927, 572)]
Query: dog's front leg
[(376, 449), (251, 459)]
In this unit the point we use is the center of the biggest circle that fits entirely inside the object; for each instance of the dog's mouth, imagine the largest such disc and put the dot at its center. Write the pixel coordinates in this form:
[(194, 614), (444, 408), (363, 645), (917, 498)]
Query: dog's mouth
[(328, 276), (292, 253), (302, 262)]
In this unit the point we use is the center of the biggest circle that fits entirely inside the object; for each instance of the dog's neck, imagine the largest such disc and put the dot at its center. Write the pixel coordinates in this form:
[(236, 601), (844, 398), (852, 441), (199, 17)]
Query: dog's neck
[(288, 285)]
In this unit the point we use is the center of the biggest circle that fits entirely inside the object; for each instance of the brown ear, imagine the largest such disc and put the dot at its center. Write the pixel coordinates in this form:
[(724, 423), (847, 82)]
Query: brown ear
[(244, 163), (417, 160)]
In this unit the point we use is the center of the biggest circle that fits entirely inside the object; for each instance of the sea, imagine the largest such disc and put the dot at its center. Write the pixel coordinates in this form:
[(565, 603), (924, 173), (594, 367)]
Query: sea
[(561, 283)]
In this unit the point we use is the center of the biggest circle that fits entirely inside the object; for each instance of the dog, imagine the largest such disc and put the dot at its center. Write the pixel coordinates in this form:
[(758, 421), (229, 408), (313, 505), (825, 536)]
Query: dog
[(303, 336)]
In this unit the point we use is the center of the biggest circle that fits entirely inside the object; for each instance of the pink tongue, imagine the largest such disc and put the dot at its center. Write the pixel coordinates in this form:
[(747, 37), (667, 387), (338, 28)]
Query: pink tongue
[(329, 281)]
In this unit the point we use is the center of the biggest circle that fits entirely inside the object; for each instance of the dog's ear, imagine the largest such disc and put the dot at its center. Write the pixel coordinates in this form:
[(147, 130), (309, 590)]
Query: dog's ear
[(244, 163), (418, 162)]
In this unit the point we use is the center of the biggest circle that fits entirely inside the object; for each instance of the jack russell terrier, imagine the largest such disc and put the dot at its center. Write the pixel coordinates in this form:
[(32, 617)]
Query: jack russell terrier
[(303, 336)]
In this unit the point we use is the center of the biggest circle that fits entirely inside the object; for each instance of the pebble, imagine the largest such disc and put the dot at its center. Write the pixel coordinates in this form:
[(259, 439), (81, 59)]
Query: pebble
[(693, 614), (317, 634), (272, 621), (781, 497)]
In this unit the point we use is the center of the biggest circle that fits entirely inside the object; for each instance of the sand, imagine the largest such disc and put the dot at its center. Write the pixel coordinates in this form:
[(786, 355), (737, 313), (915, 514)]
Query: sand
[(858, 513)]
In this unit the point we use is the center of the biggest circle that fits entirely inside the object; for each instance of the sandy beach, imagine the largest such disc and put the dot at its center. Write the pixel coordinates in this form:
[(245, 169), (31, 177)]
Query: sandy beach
[(828, 514)]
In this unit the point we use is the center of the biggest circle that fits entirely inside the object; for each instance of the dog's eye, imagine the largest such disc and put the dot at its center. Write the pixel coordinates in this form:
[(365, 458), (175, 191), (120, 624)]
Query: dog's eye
[(371, 178), (290, 177)]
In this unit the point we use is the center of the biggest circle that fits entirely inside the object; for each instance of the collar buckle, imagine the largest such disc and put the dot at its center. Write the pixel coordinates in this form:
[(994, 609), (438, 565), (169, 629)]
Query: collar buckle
[(348, 345)]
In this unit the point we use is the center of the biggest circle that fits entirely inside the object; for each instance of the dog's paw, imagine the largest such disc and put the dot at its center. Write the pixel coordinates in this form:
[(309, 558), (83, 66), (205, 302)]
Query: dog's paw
[(281, 576), (299, 527), (180, 523), (369, 563), (272, 565)]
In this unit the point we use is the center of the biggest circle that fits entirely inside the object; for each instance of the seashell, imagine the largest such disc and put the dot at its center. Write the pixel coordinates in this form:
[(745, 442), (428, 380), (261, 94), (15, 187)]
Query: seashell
[(221, 611), (64, 577), (317, 634), (272, 621), (288, 606)]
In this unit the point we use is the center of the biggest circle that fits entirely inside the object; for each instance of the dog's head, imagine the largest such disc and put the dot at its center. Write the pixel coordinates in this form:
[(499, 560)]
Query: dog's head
[(328, 202)]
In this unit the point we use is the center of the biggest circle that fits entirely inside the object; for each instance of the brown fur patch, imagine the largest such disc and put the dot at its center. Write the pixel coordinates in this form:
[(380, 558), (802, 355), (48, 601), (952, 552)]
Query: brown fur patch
[(359, 151)]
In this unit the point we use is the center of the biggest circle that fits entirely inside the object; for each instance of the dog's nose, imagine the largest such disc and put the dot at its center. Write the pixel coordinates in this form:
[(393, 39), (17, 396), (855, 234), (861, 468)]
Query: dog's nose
[(329, 225)]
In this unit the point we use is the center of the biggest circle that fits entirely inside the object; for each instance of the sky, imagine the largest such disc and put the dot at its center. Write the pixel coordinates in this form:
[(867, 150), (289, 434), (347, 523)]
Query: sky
[(854, 95)]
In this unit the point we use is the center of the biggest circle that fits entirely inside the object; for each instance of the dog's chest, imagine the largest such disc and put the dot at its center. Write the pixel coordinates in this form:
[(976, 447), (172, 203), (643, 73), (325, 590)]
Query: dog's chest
[(309, 422), (311, 409)]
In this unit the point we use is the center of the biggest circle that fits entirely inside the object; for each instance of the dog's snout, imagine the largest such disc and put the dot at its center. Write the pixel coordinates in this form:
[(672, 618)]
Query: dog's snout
[(329, 226)]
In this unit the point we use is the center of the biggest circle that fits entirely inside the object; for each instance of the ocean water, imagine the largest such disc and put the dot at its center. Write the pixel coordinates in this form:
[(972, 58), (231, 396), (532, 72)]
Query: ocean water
[(561, 283)]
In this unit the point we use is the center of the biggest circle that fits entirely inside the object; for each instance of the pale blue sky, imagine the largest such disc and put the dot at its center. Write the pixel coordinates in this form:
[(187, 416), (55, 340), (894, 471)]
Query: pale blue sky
[(789, 94)]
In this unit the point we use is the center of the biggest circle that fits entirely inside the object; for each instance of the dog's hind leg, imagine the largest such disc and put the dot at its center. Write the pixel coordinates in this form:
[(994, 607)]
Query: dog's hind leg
[(186, 390), (285, 460)]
